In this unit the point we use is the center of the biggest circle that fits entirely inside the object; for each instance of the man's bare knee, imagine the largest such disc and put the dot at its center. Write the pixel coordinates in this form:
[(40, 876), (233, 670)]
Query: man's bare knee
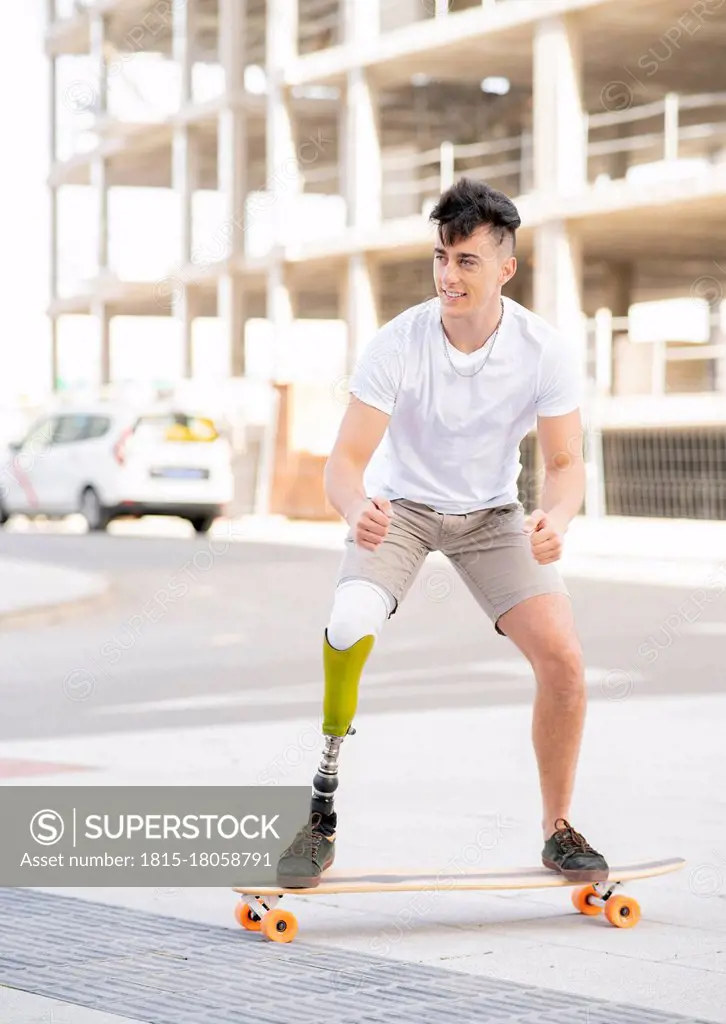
[(561, 667)]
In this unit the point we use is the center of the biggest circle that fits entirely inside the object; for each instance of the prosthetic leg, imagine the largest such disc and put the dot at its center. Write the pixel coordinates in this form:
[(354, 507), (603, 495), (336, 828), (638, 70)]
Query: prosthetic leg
[(343, 670), (360, 610)]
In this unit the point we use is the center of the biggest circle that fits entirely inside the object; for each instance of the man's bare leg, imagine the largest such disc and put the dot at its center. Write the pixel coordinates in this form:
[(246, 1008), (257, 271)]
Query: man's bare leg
[(543, 629)]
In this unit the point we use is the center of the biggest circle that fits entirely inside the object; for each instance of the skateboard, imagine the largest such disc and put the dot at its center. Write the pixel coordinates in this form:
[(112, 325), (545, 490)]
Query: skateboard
[(257, 910)]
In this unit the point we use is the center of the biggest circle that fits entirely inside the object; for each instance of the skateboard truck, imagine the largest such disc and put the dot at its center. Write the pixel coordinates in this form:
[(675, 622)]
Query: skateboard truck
[(602, 892), (593, 899), (256, 914)]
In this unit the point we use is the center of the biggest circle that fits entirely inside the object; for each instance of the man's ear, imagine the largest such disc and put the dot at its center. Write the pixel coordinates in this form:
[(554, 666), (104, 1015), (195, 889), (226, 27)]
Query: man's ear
[(509, 269)]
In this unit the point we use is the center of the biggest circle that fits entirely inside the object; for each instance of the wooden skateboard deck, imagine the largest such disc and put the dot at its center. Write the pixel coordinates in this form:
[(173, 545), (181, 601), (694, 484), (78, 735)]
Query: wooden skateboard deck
[(256, 911)]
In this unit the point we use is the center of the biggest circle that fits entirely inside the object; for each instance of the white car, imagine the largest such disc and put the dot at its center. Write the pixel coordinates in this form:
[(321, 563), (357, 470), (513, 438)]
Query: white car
[(109, 462)]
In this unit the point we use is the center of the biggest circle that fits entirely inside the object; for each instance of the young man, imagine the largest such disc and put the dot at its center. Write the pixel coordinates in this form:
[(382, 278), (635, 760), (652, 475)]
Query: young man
[(452, 386)]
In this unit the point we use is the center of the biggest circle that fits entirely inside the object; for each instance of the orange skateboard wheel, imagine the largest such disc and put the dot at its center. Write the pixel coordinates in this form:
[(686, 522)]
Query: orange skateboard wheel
[(622, 911), (247, 917), (279, 926), (580, 901)]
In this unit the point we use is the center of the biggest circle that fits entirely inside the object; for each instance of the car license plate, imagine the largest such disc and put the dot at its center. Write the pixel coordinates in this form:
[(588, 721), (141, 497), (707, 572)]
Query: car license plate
[(180, 473)]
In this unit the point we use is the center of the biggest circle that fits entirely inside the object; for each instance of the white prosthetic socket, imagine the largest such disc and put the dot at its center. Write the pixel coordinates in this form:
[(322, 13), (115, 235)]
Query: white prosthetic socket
[(360, 608)]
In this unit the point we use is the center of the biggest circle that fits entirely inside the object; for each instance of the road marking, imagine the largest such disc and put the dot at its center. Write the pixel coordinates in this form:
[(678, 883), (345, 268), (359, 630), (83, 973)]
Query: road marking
[(705, 628), (488, 680), (228, 639)]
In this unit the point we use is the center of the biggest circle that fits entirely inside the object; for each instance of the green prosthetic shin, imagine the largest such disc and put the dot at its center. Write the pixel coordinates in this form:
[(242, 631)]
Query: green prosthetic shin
[(342, 674)]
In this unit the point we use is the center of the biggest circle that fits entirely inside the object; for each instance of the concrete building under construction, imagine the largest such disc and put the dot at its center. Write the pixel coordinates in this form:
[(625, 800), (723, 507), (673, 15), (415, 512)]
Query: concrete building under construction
[(297, 147)]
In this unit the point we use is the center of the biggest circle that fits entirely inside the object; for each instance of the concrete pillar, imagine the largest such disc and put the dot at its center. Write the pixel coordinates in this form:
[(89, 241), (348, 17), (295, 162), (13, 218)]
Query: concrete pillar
[(232, 313), (53, 325), (361, 178), (182, 168), (232, 126), (99, 184), (185, 310), (232, 163), (361, 305), (284, 179), (363, 19), (559, 151), (362, 191), (182, 176), (558, 277), (53, 210), (718, 337), (604, 348), (280, 312), (619, 281), (559, 113), (98, 165), (99, 310), (362, 153)]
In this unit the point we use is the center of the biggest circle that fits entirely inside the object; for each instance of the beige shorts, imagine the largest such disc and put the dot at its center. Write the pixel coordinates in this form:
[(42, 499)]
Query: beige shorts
[(488, 549)]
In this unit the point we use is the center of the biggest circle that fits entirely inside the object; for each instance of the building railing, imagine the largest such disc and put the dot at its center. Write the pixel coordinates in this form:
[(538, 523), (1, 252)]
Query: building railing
[(504, 162), (674, 134), (508, 162), (322, 21), (618, 363)]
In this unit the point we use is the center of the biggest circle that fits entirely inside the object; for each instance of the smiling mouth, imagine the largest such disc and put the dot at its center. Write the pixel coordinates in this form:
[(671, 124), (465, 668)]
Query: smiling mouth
[(453, 295)]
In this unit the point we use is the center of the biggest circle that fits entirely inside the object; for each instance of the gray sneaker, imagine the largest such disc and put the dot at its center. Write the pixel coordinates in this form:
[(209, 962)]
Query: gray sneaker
[(311, 852), (570, 853)]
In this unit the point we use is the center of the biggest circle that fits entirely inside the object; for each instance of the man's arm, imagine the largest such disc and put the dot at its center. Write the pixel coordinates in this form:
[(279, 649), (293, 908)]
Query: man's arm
[(359, 434), (560, 438)]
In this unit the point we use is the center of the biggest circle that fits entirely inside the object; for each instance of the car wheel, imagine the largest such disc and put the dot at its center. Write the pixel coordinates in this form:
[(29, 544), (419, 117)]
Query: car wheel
[(93, 511), (202, 524), (3, 516)]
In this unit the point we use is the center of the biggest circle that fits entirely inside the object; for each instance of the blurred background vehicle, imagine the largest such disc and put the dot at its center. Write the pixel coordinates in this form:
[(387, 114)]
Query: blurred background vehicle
[(107, 462)]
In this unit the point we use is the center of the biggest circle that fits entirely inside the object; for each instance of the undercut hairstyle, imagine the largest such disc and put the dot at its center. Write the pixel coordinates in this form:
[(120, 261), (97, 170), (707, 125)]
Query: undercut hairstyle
[(470, 204)]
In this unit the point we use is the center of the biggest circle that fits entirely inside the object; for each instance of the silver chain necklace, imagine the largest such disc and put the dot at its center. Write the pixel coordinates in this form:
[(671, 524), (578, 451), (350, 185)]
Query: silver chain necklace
[(491, 342)]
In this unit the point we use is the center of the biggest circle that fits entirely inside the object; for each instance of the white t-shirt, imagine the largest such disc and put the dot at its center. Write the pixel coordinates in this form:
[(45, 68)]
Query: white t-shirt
[(452, 442)]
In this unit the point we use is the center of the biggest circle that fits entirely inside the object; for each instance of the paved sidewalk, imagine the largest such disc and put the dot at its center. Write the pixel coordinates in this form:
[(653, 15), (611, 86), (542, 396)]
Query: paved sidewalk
[(18, 1007), (29, 587), (460, 788), (459, 781)]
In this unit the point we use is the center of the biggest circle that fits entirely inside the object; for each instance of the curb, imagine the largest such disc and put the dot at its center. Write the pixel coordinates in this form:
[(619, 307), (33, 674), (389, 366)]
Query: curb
[(40, 578)]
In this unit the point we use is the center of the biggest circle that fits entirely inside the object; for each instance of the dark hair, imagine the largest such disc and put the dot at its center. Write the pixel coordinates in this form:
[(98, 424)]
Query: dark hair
[(468, 205)]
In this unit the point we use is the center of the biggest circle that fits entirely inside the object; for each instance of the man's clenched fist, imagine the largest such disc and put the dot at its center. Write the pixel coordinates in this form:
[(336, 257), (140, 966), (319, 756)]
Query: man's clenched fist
[(369, 522), (546, 536)]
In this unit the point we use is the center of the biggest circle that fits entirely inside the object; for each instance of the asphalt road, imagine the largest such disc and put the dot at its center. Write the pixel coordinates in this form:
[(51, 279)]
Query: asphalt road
[(198, 631)]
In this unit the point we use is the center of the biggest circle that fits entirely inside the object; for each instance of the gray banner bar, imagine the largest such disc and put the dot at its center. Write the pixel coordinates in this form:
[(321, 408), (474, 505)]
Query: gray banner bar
[(147, 835)]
